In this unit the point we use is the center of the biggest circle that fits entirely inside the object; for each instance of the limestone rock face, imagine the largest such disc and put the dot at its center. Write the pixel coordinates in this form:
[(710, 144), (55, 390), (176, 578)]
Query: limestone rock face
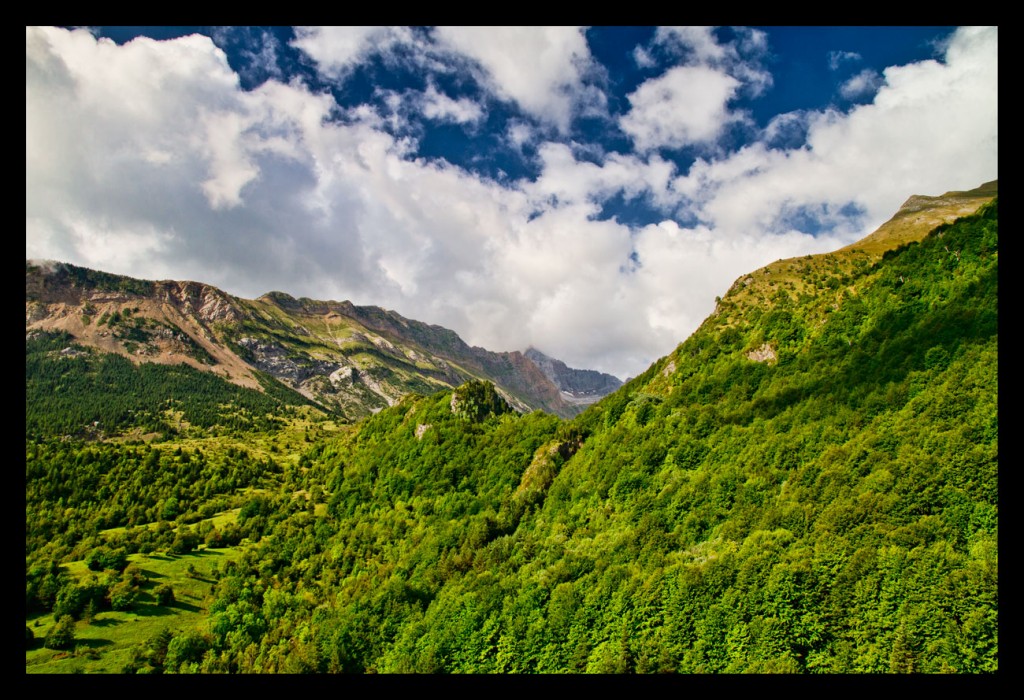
[(765, 353)]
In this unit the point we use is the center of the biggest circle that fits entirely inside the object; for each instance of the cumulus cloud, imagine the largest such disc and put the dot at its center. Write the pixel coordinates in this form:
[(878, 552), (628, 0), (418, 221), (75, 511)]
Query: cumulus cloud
[(568, 181), (687, 105), (872, 157), (643, 57), (539, 68), (700, 41), (544, 70), (336, 49), (787, 130), (740, 58), (443, 108), (258, 50), (156, 138), (149, 159), (518, 134), (864, 84)]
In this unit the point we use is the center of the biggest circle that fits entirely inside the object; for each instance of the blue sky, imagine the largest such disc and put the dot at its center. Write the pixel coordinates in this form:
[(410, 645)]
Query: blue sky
[(587, 191)]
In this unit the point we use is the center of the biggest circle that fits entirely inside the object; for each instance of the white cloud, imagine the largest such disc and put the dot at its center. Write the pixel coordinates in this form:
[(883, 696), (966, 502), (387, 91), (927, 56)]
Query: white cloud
[(336, 49), (931, 128), (566, 181), (519, 134), (539, 68), (673, 258), (864, 84), (643, 58), (740, 58), (148, 159), (700, 41), (231, 169), (786, 130), (542, 69), (259, 49), (443, 108), (687, 105), (838, 58)]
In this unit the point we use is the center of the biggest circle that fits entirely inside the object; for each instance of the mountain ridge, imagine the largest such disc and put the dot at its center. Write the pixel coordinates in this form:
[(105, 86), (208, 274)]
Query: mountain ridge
[(356, 359), (808, 484), (578, 386), (359, 359)]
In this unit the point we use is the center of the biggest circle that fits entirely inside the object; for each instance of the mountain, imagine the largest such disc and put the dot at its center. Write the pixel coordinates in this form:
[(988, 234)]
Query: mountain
[(807, 484), (920, 214), (812, 274), (578, 386), (353, 360)]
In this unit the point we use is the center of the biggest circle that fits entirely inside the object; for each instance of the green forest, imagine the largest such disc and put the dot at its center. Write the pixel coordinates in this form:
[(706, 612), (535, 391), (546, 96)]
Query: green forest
[(808, 484)]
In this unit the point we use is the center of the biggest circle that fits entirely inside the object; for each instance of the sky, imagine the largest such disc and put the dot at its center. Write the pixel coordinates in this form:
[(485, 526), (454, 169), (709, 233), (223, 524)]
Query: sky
[(587, 191)]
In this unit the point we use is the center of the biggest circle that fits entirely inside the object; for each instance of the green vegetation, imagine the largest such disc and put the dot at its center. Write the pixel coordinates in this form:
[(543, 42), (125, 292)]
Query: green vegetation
[(117, 639), (808, 484), (73, 391)]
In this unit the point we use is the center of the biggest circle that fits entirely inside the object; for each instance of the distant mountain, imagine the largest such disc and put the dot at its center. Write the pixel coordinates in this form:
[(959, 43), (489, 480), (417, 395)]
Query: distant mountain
[(347, 359), (578, 386)]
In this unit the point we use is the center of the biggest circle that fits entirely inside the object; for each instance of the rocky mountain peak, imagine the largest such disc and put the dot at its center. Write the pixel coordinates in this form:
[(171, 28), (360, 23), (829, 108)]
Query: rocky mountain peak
[(578, 386)]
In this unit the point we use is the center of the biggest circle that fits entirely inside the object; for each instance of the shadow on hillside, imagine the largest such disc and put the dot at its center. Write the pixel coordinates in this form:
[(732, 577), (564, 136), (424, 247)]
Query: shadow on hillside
[(93, 643), (181, 605), (107, 622), (151, 610)]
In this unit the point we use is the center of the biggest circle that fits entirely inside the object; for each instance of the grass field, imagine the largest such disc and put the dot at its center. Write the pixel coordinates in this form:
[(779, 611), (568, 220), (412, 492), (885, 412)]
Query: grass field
[(105, 644)]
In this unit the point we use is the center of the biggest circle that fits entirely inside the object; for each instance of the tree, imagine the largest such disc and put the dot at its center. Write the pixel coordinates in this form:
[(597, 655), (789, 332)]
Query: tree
[(103, 558), (62, 635), (89, 611), (171, 509), (185, 647), (70, 600), (184, 542), (164, 594), (123, 594)]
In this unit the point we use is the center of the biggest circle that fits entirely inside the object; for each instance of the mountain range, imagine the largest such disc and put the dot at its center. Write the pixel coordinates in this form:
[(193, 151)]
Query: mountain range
[(350, 360), (355, 360), (807, 484)]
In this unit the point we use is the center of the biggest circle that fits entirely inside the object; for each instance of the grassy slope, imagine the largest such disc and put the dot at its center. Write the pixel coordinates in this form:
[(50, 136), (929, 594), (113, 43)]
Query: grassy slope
[(105, 645)]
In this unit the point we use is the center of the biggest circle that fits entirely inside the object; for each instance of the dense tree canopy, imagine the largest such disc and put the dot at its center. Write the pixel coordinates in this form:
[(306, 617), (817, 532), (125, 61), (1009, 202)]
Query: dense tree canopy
[(830, 506)]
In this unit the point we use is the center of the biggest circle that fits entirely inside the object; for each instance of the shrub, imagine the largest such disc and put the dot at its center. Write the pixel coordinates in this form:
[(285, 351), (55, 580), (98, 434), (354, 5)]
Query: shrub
[(164, 595), (62, 634)]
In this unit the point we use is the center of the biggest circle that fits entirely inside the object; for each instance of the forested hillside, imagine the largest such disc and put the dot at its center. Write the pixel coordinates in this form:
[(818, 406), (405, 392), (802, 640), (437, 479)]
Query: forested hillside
[(809, 483)]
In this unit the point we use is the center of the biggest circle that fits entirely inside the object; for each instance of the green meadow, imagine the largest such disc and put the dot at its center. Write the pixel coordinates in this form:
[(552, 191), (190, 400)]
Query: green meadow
[(106, 643)]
